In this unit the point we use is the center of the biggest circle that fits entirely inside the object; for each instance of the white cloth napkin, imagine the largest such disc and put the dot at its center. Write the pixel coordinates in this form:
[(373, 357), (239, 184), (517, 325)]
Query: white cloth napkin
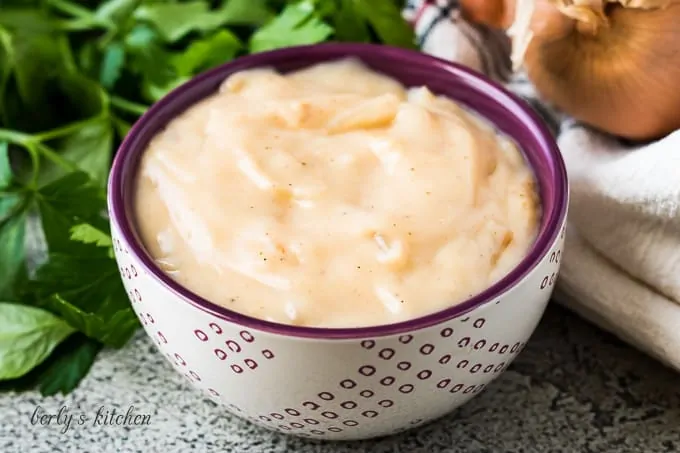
[(621, 266)]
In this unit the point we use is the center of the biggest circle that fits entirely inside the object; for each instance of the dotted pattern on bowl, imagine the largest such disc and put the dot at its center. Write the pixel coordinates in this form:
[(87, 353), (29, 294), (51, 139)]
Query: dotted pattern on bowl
[(358, 397)]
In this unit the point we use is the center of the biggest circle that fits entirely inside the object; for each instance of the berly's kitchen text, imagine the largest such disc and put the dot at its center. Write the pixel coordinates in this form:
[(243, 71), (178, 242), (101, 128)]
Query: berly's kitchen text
[(68, 419)]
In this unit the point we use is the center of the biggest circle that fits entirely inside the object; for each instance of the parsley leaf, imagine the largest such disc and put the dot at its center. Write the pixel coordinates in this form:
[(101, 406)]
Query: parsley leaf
[(298, 24), (12, 237), (201, 55), (206, 53), (87, 234), (80, 280), (28, 336), (84, 288), (349, 24), (66, 202), (5, 166), (244, 12), (175, 20), (116, 11), (147, 55), (88, 147), (110, 326), (384, 16), (69, 366), (62, 370), (6, 58), (112, 64), (13, 208)]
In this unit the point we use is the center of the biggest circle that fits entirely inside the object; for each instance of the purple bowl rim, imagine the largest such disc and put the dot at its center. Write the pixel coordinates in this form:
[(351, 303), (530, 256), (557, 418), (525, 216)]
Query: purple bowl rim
[(539, 250)]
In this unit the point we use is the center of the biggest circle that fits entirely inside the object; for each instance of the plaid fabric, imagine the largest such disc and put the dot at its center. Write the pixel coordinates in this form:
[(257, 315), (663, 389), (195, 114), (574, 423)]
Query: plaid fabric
[(441, 31)]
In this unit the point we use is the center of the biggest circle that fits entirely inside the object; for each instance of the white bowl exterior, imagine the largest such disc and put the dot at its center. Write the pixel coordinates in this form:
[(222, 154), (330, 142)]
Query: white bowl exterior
[(340, 389)]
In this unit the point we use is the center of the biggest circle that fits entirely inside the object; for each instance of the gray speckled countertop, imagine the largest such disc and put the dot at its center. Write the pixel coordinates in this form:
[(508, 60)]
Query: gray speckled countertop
[(573, 389)]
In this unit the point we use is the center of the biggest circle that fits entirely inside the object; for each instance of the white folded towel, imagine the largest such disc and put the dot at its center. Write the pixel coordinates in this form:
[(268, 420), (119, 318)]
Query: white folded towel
[(621, 266)]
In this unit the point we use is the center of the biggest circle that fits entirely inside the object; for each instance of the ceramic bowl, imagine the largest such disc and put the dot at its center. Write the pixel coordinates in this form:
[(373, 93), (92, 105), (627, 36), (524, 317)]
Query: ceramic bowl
[(349, 383)]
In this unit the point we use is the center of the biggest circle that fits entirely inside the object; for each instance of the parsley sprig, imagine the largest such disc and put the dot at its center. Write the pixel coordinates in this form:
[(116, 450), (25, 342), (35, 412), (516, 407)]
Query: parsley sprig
[(74, 76)]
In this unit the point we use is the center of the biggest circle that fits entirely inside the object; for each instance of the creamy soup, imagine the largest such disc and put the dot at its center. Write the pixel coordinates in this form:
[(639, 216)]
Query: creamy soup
[(333, 196)]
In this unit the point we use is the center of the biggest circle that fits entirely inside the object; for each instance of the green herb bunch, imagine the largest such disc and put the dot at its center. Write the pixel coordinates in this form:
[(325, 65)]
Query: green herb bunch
[(74, 76)]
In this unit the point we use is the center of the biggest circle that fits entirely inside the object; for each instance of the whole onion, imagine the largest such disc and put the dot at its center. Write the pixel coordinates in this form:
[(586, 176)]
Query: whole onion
[(612, 65)]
